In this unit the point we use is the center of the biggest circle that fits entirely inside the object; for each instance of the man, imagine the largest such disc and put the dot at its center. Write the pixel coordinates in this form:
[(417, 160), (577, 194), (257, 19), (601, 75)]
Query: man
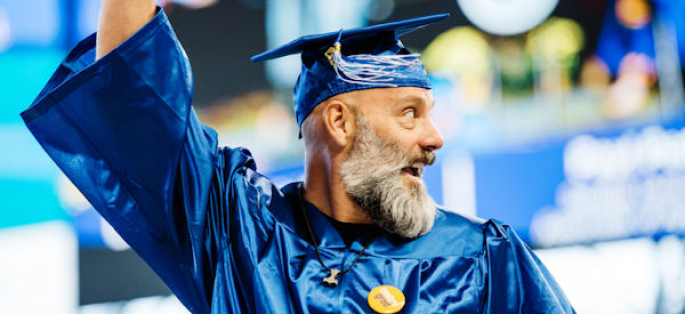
[(360, 234)]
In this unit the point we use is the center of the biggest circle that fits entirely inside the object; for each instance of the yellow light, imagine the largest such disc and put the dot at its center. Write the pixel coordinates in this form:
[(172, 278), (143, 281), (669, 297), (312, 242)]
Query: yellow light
[(557, 38), (461, 51), (633, 14)]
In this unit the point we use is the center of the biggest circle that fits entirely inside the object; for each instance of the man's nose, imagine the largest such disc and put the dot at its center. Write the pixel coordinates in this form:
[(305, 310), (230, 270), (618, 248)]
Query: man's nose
[(431, 140)]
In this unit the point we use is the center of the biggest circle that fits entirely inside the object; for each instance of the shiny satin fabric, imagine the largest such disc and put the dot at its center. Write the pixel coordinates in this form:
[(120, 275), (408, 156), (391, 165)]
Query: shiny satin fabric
[(222, 236)]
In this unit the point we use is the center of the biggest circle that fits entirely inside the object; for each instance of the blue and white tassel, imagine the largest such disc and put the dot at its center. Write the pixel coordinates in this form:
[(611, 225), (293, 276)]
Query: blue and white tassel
[(368, 69)]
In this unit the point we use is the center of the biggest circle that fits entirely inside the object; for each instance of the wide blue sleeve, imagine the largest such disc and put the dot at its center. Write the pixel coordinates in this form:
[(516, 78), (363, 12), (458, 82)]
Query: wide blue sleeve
[(123, 130), (517, 281)]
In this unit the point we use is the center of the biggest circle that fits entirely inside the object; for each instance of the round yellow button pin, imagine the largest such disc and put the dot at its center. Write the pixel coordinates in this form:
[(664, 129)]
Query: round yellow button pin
[(386, 299)]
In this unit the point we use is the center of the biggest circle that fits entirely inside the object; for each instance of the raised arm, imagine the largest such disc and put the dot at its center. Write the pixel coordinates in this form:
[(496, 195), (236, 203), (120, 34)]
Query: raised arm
[(118, 20), (124, 132)]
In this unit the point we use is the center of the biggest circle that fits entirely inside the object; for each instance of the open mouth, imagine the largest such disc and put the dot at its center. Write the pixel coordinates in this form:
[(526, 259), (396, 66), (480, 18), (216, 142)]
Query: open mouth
[(414, 170)]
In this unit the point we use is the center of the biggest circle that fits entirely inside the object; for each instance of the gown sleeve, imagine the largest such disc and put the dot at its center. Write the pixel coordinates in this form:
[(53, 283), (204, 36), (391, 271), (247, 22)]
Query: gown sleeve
[(123, 130), (518, 282)]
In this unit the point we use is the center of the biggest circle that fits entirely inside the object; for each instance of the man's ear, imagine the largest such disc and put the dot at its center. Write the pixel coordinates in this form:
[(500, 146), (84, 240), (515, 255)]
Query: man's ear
[(338, 121)]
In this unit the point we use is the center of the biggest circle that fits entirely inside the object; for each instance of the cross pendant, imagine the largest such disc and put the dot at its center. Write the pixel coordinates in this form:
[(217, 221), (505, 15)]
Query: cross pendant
[(330, 280)]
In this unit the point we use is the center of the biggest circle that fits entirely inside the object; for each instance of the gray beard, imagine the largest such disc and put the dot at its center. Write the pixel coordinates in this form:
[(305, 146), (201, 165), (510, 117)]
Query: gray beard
[(372, 174)]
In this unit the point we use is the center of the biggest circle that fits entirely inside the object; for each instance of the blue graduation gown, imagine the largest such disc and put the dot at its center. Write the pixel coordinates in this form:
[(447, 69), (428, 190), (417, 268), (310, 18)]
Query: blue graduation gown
[(222, 236)]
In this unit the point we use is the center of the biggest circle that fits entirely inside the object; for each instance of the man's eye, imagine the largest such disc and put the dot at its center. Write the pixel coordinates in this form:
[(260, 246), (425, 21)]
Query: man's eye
[(409, 113)]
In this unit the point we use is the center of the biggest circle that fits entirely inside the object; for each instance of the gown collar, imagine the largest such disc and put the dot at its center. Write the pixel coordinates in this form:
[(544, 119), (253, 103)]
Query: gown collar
[(326, 234), (469, 234)]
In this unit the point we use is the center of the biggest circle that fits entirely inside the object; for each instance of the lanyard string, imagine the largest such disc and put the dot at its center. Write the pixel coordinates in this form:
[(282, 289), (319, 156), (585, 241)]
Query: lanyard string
[(333, 272)]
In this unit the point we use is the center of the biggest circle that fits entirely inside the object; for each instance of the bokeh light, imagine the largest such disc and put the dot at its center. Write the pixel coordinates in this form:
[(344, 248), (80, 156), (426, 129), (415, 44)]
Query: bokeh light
[(5, 31), (507, 17), (633, 13), (464, 55)]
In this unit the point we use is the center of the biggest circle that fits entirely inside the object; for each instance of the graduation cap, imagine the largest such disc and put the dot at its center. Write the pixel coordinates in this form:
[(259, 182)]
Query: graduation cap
[(360, 58)]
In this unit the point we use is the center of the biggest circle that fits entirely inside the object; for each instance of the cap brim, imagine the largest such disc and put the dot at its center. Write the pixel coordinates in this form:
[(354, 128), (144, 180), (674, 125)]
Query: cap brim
[(319, 41)]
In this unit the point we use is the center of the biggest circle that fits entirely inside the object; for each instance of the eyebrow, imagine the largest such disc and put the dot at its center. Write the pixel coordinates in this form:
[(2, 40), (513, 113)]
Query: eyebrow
[(413, 99)]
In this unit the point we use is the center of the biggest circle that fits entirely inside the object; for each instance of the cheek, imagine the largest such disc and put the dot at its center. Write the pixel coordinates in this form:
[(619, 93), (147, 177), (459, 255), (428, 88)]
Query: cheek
[(395, 131), (406, 123), (407, 142), (407, 138)]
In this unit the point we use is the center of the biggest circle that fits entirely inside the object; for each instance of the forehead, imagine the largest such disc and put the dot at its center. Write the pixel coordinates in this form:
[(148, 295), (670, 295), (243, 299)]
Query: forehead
[(389, 98)]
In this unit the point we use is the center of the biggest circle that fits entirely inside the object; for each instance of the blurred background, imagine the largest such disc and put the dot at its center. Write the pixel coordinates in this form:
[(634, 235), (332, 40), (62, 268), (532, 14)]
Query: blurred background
[(562, 118)]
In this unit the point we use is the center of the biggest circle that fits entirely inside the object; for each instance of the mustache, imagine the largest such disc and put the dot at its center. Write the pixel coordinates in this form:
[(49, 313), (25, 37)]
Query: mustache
[(425, 157)]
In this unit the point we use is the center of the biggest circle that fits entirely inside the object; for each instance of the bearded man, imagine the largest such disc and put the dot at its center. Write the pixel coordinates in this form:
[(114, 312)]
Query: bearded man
[(359, 234)]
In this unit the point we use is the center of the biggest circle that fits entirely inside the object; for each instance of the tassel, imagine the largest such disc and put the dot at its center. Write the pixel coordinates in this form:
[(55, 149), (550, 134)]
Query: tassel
[(370, 69)]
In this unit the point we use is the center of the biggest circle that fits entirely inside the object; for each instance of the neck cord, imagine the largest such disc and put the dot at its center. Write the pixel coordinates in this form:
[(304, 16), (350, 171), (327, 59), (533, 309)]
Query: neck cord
[(333, 273)]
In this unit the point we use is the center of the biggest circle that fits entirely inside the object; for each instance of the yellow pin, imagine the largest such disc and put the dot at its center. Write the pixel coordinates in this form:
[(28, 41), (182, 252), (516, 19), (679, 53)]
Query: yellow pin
[(386, 299)]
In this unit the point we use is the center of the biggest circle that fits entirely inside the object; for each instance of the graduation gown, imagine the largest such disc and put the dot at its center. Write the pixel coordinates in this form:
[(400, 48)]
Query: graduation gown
[(222, 236)]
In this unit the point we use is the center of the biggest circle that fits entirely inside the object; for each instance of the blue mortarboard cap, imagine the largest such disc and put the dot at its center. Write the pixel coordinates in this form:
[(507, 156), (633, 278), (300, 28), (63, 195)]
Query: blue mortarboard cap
[(354, 59)]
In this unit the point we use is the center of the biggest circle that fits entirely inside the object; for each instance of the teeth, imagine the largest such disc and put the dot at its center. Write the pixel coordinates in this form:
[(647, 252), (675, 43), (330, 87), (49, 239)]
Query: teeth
[(415, 171), (417, 168)]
